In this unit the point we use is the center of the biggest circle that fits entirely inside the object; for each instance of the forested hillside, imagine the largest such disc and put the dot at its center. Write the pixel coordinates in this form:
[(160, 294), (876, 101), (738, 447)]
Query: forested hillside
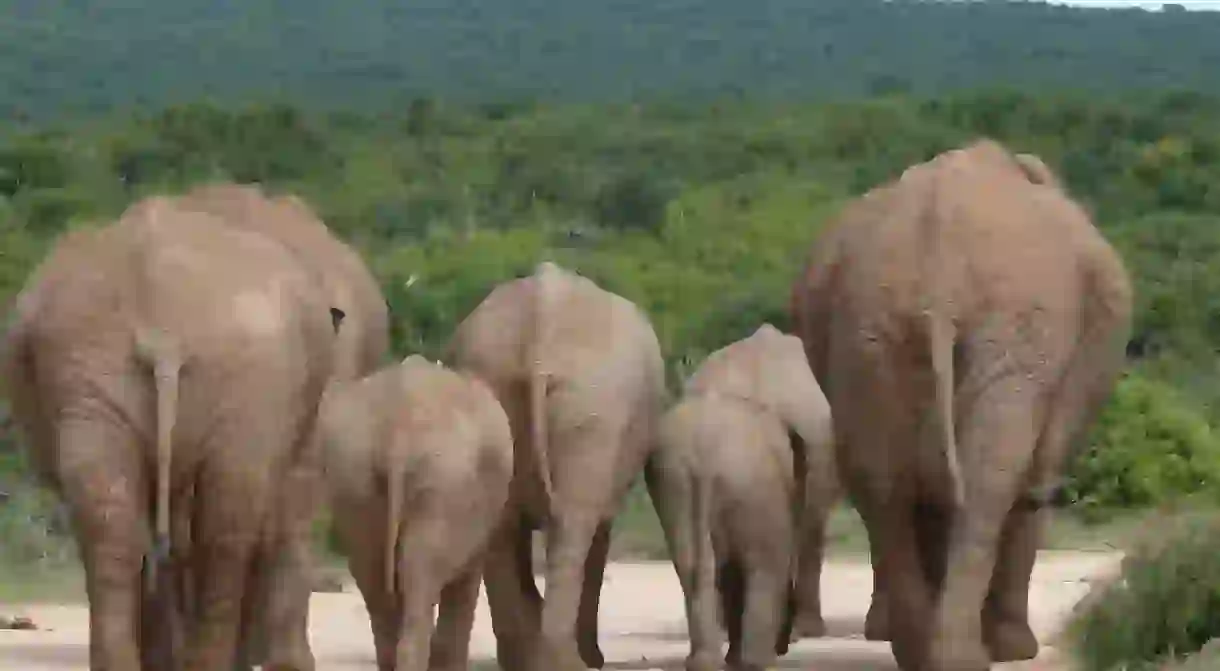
[(700, 214), (61, 57)]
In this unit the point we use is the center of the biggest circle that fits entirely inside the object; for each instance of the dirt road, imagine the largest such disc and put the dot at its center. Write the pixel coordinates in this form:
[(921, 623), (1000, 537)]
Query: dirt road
[(642, 622)]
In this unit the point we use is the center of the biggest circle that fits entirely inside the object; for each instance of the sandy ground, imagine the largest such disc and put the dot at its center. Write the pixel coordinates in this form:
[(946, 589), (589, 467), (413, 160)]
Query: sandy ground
[(642, 622)]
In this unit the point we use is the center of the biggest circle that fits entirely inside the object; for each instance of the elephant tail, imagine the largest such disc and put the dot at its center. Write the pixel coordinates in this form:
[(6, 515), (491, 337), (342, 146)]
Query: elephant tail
[(544, 287), (702, 550), (395, 472), (162, 353), (941, 335)]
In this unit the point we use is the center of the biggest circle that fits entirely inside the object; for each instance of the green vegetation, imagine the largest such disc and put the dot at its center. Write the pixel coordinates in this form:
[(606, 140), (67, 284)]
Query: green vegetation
[(1164, 606), (701, 211), (1147, 447), (1205, 660), (702, 215), (60, 58)]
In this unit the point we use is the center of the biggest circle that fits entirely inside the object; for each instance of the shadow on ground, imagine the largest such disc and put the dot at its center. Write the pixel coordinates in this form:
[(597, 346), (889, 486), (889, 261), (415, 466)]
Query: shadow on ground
[(838, 660), (842, 649)]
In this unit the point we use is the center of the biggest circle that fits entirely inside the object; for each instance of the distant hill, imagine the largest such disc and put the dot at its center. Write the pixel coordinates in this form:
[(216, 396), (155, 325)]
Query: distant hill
[(60, 57)]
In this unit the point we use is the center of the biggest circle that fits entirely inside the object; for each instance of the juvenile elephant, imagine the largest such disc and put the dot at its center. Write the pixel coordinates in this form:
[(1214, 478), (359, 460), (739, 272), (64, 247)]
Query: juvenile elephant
[(162, 356), (579, 372), (966, 321), (743, 475), (419, 460)]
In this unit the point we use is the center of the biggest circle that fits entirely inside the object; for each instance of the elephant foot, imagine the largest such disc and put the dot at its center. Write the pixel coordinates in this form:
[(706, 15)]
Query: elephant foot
[(702, 661), (557, 656), (298, 657), (877, 623), (591, 654), (1010, 641), (809, 626), (957, 654)]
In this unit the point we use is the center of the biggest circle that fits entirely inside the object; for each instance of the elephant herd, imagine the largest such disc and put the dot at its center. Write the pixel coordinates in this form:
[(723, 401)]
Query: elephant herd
[(198, 378)]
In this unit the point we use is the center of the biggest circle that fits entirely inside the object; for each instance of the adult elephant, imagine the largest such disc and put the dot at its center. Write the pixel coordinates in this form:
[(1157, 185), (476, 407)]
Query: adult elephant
[(579, 372), (362, 343), (966, 321), (169, 356)]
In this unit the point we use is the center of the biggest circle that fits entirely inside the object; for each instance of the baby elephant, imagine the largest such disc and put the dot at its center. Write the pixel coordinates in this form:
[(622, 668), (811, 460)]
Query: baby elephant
[(742, 472), (418, 463)]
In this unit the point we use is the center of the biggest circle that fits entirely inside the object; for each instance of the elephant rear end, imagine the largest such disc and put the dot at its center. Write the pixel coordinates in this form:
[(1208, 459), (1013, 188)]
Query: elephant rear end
[(419, 462), (201, 295), (579, 372), (965, 320), (724, 481)]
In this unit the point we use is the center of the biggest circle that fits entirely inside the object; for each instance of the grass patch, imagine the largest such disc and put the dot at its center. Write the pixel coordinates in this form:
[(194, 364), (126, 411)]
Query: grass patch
[(42, 584), (1163, 606), (1207, 659)]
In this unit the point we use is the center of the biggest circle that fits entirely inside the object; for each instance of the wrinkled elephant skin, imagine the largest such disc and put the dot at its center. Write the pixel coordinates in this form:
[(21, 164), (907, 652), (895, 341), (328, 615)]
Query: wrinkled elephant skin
[(579, 372), (168, 358), (742, 473), (362, 342), (419, 460), (966, 322)]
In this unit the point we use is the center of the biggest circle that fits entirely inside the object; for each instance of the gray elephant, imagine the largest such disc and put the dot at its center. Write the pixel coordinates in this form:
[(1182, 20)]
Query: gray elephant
[(161, 355), (966, 321), (579, 372), (742, 475), (419, 460), (362, 345)]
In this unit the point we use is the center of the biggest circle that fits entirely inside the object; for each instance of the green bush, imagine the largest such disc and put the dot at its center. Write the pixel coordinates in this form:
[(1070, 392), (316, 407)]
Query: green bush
[(1165, 603), (1148, 447), (1207, 659)]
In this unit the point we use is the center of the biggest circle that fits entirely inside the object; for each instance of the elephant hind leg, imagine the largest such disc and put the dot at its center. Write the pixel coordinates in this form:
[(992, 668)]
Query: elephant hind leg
[(731, 586), (515, 609), (232, 503), (279, 631), (570, 536), (590, 598), (1006, 629), (765, 595), (999, 436), (932, 523), (807, 618), (106, 497), (366, 561), (907, 593), (455, 620)]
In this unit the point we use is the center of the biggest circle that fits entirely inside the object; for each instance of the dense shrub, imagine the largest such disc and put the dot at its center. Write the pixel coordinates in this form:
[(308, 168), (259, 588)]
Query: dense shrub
[(1207, 659), (1148, 446), (1165, 603)]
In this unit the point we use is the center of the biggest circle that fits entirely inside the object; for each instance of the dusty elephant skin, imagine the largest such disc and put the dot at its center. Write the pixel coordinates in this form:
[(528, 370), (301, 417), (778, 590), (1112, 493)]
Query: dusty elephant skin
[(966, 323), (348, 285), (579, 372), (169, 359), (419, 460), (734, 491)]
